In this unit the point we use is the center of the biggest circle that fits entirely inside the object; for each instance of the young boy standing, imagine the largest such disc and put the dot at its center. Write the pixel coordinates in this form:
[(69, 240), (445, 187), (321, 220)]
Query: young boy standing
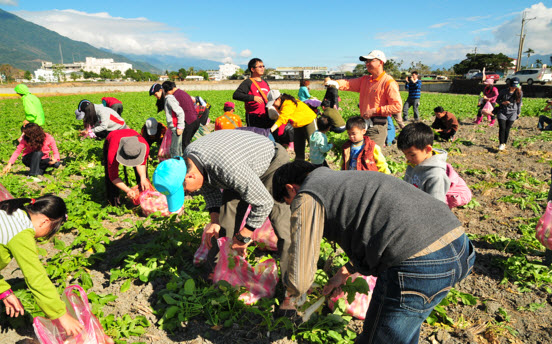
[(426, 165), (445, 124), (229, 120), (318, 142), (361, 152)]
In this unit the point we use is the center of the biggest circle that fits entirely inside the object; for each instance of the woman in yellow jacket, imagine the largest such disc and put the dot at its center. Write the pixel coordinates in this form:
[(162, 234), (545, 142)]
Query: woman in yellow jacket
[(299, 114)]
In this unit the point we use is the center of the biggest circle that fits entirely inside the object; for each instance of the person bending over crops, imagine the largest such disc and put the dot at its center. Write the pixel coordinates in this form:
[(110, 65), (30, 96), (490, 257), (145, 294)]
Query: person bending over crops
[(21, 221), (299, 114), (509, 100), (409, 239), (181, 114), (253, 93), (98, 120), (39, 151), (31, 105), (545, 122), (113, 103), (128, 148), (241, 164), (153, 132)]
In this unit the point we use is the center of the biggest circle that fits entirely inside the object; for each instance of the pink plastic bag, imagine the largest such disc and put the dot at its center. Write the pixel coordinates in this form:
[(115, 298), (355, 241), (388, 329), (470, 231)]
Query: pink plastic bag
[(544, 227), (51, 332), (360, 305), (487, 108), (165, 148), (201, 254), (4, 193), (459, 193), (153, 201), (260, 280), (264, 236)]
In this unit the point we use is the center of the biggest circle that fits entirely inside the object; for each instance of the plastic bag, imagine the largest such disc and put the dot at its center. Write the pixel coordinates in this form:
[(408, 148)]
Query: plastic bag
[(361, 303), (487, 108), (4, 193), (51, 332), (459, 194), (153, 201), (264, 236), (260, 280), (544, 227), (165, 147)]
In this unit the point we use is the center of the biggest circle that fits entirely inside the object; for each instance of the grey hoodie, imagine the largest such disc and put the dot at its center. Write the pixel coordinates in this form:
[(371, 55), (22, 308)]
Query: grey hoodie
[(430, 175)]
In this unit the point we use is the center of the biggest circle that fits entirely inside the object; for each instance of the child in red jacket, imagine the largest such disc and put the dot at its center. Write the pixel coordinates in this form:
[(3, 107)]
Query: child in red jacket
[(360, 152)]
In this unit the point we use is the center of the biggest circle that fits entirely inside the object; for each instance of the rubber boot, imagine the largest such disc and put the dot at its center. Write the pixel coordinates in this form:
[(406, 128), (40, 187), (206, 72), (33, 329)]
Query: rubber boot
[(478, 120), (489, 118), (492, 122)]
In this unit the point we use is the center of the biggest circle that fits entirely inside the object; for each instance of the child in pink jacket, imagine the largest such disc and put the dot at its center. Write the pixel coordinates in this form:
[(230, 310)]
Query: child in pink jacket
[(39, 150)]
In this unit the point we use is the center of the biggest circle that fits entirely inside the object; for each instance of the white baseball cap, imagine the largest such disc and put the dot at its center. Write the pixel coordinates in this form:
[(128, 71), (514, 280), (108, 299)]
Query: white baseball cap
[(271, 97), (374, 54)]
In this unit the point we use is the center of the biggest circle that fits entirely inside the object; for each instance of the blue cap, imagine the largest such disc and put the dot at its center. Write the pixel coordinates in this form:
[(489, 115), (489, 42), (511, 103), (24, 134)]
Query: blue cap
[(168, 179)]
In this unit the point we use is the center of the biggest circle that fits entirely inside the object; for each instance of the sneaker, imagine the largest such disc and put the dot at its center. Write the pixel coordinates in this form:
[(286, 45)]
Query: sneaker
[(502, 147)]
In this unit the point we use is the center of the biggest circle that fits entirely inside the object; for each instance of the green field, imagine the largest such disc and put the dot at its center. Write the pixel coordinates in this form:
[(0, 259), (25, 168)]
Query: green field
[(133, 251)]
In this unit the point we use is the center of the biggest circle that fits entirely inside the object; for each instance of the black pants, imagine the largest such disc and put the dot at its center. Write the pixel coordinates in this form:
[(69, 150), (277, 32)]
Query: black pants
[(300, 136), (444, 136), (258, 121), (35, 162), (504, 130), (545, 120), (118, 108), (189, 132)]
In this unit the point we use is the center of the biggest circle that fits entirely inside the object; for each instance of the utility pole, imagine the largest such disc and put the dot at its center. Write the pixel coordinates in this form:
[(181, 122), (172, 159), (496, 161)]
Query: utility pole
[(60, 53), (521, 40)]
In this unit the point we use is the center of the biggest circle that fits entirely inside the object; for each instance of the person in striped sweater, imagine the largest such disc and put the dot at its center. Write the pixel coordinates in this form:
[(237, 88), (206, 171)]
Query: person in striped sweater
[(21, 221), (414, 87)]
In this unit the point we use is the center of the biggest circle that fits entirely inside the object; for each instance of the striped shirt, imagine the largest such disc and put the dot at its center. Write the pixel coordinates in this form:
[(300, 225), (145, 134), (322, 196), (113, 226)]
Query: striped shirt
[(11, 225), (235, 160), (414, 89)]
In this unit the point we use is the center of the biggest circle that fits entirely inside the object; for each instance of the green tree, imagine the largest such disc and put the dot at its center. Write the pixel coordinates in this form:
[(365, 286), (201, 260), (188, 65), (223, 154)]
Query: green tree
[(173, 76), (117, 74), (74, 76), (58, 72), (529, 51), (393, 68), (27, 75), (106, 73), (538, 62), (182, 74), (191, 71), (204, 74), (491, 62), (360, 70), (419, 67)]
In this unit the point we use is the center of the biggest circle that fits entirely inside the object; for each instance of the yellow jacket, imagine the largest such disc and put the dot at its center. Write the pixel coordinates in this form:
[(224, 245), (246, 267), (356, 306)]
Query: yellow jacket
[(301, 114)]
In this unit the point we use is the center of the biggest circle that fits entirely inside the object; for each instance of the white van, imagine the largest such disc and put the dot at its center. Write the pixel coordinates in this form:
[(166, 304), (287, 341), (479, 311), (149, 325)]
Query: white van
[(530, 76)]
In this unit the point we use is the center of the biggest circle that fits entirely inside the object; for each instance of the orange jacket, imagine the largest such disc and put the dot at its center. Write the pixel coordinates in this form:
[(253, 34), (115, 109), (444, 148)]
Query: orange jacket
[(381, 93), (223, 122)]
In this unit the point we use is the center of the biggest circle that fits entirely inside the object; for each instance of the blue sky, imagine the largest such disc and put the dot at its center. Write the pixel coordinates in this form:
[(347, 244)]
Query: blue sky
[(293, 33)]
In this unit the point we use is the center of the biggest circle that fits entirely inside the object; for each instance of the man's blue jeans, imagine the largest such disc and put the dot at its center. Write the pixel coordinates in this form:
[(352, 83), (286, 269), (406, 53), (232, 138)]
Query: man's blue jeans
[(406, 294)]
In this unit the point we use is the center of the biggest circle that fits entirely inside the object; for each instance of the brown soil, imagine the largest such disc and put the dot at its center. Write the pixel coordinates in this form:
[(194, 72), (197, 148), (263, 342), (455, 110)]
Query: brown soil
[(476, 148)]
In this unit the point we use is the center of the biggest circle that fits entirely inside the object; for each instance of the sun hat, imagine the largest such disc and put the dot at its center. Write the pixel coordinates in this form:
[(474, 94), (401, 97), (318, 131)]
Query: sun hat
[(272, 96), (154, 89), (151, 126), (168, 179), (229, 104), (374, 54), (273, 114), (489, 81), (131, 151)]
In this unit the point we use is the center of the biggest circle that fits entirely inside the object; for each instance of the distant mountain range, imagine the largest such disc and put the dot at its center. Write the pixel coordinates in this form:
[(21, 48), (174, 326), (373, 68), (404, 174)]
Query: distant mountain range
[(173, 63)]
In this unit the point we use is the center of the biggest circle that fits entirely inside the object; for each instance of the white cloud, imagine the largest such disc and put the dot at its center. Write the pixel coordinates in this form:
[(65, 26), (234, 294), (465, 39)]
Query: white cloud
[(245, 53), (126, 35), (347, 67), (9, 2), (438, 25)]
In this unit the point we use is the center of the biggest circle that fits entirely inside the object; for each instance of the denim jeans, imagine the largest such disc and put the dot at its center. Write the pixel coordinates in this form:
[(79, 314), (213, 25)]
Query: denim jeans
[(390, 131), (35, 162), (406, 294)]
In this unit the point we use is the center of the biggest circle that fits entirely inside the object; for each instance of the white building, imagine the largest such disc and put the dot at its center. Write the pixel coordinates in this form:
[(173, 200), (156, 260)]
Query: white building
[(194, 78), (227, 70), (93, 64), (44, 75), (299, 72)]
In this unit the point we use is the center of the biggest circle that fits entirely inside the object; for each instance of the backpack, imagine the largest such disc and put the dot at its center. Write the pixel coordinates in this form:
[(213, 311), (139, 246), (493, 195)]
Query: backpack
[(459, 193)]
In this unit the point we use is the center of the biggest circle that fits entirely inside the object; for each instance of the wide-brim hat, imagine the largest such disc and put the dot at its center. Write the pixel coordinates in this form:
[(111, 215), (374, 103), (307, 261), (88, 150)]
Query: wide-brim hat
[(271, 97), (131, 151), (168, 179)]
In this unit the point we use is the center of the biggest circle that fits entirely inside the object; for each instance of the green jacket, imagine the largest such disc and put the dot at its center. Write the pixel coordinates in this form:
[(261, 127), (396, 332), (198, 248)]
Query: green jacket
[(23, 248), (31, 104)]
